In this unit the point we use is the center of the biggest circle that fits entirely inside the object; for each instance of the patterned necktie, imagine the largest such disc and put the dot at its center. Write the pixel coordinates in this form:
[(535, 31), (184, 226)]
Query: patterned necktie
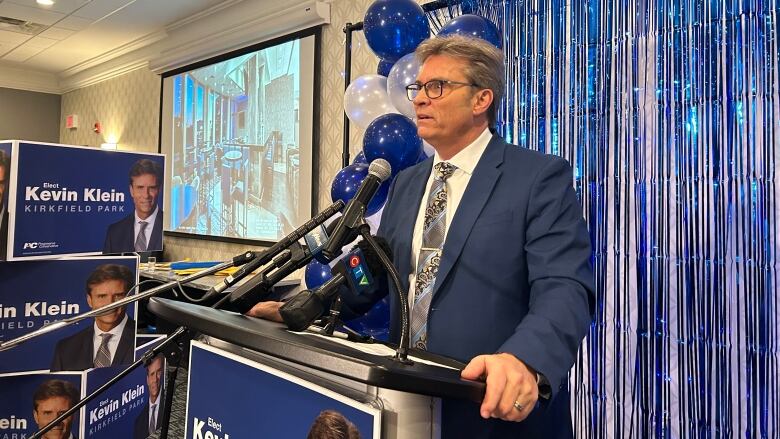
[(140, 240), (434, 228), (103, 356), (153, 420)]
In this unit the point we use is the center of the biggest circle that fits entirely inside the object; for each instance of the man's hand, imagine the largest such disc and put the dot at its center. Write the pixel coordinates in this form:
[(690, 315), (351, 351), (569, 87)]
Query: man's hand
[(267, 310), (511, 390)]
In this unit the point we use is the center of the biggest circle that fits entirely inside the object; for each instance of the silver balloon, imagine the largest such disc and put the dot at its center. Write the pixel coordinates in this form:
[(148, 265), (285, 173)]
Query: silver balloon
[(366, 99), (403, 73)]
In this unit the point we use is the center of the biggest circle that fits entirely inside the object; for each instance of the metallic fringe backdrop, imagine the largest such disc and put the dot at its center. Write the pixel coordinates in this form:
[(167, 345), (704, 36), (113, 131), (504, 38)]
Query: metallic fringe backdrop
[(668, 112)]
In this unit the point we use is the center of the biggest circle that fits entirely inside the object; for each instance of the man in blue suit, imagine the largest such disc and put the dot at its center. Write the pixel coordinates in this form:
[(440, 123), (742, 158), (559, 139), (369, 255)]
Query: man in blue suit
[(141, 231), (492, 248)]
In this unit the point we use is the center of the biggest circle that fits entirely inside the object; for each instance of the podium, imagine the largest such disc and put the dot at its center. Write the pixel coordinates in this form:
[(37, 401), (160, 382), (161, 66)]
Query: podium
[(299, 375)]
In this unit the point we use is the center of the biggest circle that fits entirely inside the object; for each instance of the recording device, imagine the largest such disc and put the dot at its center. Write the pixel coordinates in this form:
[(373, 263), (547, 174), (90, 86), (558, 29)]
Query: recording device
[(346, 229), (356, 270), (275, 250)]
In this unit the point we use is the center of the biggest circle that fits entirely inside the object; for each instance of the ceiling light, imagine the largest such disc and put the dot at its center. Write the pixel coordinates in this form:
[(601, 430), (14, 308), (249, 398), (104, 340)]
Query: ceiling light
[(45, 2)]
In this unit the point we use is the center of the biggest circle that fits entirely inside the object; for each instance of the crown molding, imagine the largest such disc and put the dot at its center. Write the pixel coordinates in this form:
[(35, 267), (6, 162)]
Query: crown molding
[(222, 28), (25, 79), (238, 27), (78, 81), (124, 49)]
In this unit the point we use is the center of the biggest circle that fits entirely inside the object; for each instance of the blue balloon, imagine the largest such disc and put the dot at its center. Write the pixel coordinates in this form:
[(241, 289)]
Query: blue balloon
[(360, 158), (473, 26), (394, 28), (376, 322), (384, 67), (347, 182), (394, 138), (316, 274)]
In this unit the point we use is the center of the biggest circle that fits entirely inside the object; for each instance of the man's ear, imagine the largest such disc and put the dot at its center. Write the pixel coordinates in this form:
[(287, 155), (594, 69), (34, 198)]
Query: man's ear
[(89, 300), (482, 101)]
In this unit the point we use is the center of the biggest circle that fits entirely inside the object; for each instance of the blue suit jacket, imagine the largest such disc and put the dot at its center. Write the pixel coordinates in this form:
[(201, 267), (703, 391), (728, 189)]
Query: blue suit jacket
[(515, 276), (120, 237)]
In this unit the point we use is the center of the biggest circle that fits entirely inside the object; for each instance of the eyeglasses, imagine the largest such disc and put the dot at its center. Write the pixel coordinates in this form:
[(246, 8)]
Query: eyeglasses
[(433, 88)]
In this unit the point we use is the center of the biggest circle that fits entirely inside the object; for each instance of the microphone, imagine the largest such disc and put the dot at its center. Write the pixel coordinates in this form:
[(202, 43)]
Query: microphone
[(272, 252), (354, 213), (245, 296), (356, 270)]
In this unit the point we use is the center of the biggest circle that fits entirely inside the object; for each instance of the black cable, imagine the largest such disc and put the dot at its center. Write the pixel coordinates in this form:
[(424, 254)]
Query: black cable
[(403, 343)]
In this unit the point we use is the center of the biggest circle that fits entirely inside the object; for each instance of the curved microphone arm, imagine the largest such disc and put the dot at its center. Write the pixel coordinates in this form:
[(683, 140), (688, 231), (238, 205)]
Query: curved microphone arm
[(118, 304), (403, 344)]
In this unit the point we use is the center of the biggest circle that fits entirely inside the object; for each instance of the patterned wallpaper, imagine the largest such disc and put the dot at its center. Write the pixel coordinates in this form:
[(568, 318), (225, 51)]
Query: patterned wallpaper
[(331, 103), (127, 107)]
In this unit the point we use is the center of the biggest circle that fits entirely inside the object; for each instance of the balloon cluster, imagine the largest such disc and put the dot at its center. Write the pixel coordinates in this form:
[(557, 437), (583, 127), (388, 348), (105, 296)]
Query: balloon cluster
[(378, 104)]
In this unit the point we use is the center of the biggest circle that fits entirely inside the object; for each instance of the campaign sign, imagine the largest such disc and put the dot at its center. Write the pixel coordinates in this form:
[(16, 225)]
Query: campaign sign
[(29, 401), (220, 404), (5, 174), (35, 293), (69, 200), (114, 412)]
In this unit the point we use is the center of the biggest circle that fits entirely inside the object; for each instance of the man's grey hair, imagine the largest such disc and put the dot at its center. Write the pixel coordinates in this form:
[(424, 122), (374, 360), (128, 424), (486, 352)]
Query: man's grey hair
[(485, 63)]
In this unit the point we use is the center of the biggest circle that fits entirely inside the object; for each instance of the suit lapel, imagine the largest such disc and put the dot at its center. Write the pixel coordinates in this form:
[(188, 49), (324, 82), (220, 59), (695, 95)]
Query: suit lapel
[(477, 194), (89, 347), (125, 343), (407, 215)]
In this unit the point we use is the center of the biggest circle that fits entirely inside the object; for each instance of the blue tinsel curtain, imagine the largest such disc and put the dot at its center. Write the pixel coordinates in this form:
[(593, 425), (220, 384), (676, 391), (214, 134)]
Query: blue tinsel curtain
[(669, 113)]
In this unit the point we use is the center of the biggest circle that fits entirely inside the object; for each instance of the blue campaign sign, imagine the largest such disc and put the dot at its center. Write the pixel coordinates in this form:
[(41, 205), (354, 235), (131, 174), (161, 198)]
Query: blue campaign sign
[(28, 402), (113, 413), (77, 200), (221, 405), (34, 293)]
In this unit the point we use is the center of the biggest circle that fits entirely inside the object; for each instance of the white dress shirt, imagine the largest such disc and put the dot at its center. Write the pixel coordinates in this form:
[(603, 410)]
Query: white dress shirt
[(149, 226), (466, 160), (113, 343)]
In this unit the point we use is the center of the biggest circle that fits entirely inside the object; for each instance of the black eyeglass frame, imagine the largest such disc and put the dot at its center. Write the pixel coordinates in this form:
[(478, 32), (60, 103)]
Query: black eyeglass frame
[(413, 89)]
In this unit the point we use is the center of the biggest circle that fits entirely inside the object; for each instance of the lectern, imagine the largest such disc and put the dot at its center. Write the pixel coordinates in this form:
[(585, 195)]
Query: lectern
[(254, 378)]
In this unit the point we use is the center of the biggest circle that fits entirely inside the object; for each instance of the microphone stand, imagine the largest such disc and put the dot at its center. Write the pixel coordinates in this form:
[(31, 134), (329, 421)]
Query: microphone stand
[(276, 254), (148, 356), (172, 354), (112, 306), (403, 344)]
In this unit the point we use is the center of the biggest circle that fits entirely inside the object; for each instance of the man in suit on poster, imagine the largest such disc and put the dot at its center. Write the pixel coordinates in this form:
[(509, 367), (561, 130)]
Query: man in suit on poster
[(111, 339), (51, 399), (141, 231), (5, 170), (149, 420), (492, 248)]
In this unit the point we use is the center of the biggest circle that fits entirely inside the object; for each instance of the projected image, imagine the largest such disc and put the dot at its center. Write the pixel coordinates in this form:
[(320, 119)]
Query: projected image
[(236, 145)]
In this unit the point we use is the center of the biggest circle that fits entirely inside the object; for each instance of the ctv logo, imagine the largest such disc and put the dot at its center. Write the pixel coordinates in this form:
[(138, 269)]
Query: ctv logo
[(30, 245)]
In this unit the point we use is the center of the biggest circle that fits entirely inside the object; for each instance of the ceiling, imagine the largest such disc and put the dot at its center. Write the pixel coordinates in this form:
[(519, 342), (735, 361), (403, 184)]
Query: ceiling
[(73, 34)]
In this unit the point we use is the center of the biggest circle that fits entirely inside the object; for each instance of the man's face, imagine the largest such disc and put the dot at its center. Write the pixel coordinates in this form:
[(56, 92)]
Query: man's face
[(153, 377), (3, 183), (48, 410), (103, 294), (443, 120), (144, 190)]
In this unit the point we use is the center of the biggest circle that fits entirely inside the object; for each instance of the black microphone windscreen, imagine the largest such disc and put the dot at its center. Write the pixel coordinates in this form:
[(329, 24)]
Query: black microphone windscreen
[(373, 262)]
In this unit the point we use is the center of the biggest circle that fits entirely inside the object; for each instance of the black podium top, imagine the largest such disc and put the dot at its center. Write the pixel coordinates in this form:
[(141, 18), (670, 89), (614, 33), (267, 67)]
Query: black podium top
[(323, 354)]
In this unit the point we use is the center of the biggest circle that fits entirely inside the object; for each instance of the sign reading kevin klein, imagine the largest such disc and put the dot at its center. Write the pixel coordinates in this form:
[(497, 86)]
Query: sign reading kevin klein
[(78, 200)]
